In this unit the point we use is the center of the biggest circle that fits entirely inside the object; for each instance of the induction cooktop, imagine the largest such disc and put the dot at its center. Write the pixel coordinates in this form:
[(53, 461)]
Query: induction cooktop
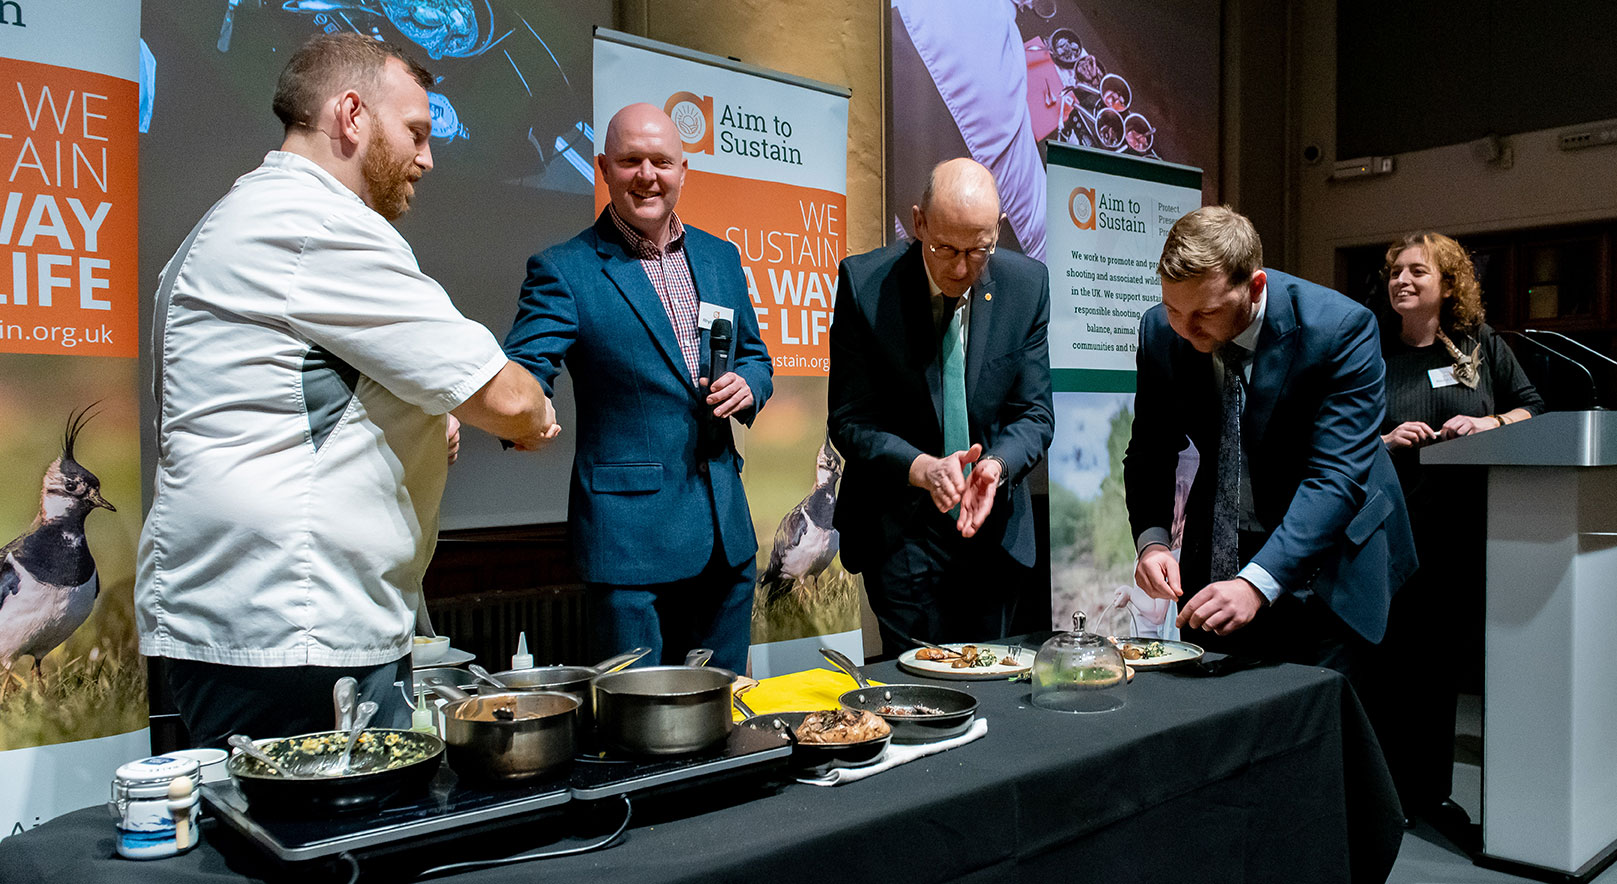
[(450, 805)]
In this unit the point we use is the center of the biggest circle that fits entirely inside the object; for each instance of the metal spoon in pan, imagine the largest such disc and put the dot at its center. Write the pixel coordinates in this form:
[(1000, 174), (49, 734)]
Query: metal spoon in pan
[(362, 719), (245, 744)]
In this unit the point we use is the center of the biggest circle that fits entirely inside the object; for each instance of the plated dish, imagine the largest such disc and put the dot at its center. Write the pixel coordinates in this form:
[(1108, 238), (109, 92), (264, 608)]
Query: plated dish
[(1021, 659), (1154, 653)]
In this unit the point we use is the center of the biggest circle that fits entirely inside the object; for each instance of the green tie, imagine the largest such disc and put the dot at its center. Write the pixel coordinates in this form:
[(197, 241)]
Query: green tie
[(956, 430)]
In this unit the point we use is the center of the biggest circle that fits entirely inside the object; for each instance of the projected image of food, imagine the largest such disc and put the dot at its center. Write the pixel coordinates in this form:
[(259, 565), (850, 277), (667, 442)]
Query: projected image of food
[(1138, 133), (1109, 128), (1065, 46), (1094, 115), (1111, 75)]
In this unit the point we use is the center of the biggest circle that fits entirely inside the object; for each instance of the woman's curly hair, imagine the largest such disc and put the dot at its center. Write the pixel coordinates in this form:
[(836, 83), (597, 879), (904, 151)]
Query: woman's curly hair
[(1462, 303)]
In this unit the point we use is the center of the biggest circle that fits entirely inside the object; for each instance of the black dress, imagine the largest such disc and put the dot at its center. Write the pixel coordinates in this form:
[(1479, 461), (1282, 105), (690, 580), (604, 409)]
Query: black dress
[(1434, 631)]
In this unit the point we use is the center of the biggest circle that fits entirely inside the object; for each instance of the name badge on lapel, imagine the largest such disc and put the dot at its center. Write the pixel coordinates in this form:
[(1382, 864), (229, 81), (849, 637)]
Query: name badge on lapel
[(1442, 377), (706, 313)]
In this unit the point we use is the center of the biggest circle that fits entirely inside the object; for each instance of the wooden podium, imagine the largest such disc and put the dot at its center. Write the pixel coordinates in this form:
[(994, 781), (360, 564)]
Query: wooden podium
[(1549, 731)]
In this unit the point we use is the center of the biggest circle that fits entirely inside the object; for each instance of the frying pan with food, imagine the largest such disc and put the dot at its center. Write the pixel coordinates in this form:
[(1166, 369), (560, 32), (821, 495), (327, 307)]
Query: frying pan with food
[(814, 759), (917, 713), (386, 764)]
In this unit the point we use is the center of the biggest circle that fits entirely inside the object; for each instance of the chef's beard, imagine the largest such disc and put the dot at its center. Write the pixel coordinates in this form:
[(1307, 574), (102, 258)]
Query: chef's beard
[(388, 176)]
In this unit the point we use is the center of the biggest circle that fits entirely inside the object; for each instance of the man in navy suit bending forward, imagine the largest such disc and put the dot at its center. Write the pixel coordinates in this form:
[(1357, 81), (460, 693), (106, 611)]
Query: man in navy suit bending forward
[(1295, 533)]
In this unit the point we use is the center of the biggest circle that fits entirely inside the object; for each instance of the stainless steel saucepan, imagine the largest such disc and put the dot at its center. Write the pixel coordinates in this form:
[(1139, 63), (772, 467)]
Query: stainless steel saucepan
[(508, 735), (573, 680), (664, 710)]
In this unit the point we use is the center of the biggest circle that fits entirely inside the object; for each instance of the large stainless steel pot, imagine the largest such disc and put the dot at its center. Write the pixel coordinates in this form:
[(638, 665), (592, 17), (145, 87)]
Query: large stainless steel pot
[(572, 680), (664, 710), (508, 735)]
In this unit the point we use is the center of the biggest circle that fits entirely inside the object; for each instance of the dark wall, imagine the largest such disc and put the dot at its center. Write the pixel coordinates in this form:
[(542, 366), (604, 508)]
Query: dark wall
[(1411, 76), (1256, 71)]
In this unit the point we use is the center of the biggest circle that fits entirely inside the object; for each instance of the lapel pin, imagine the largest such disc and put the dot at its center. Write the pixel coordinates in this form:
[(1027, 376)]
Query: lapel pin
[(988, 296)]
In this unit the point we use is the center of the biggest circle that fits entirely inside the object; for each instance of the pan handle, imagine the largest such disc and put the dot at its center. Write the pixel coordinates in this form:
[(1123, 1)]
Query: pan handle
[(627, 658), (754, 718), (843, 663), (698, 657), (483, 675), (445, 689)]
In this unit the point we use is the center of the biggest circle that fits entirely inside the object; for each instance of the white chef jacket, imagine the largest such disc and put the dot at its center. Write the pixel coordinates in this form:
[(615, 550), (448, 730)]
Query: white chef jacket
[(304, 367)]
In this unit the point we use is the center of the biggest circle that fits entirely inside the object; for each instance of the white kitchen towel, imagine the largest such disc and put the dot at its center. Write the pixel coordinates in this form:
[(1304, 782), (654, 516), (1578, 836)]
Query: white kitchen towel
[(897, 755)]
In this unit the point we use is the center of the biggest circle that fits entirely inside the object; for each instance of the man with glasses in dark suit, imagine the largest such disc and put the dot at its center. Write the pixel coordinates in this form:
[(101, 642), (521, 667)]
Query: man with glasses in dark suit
[(940, 401)]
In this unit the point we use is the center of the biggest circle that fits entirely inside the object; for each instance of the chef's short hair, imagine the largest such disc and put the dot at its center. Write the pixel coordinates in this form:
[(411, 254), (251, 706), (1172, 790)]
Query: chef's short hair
[(1212, 239), (330, 63)]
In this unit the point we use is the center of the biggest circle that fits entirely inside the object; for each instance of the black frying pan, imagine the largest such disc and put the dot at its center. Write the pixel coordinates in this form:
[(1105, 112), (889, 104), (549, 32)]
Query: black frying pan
[(369, 784), (956, 708), (814, 759)]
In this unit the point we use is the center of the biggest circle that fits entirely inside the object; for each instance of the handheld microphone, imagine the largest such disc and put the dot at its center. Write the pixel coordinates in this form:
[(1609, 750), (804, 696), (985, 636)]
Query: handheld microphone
[(715, 429), (718, 339)]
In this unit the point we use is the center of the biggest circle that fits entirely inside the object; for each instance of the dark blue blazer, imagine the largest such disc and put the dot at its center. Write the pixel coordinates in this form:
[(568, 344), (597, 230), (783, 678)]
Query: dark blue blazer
[(644, 502), (886, 394), (1322, 482)]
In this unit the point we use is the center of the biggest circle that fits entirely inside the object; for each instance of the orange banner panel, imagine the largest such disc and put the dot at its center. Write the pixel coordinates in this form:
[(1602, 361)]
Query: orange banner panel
[(791, 240), (68, 276)]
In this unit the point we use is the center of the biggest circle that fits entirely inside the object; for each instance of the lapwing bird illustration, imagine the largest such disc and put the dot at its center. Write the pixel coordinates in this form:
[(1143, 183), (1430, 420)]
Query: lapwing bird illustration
[(48, 580), (805, 542)]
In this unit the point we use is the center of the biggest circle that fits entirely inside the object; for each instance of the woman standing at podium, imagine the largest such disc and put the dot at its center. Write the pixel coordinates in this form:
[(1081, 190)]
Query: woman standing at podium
[(1448, 375)]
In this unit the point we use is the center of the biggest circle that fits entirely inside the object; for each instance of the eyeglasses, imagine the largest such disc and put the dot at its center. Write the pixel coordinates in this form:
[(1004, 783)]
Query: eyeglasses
[(950, 253)]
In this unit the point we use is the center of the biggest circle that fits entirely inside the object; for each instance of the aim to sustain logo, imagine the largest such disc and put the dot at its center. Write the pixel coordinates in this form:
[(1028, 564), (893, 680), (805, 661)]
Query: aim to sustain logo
[(1081, 207), (693, 117)]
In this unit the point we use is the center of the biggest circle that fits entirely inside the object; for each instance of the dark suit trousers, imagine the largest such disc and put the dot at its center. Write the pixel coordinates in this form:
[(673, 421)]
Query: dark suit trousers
[(941, 587), (711, 610), (1295, 628)]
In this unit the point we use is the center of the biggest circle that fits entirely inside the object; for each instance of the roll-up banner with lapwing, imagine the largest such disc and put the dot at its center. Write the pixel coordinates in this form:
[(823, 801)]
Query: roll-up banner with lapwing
[(768, 157), (72, 685)]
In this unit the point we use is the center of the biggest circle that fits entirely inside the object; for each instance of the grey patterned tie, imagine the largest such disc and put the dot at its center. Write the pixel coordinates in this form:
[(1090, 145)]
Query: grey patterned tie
[(1227, 495)]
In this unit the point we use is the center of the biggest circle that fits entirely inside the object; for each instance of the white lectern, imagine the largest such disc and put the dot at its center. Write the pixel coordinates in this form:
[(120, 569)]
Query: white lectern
[(1549, 725)]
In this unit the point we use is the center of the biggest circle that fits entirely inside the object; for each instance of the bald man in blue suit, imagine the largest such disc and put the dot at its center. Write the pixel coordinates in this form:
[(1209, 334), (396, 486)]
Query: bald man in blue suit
[(657, 516)]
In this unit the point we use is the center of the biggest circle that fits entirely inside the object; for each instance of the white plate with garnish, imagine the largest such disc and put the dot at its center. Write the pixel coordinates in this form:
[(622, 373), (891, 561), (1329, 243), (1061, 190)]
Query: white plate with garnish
[(1156, 653), (1020, 660)]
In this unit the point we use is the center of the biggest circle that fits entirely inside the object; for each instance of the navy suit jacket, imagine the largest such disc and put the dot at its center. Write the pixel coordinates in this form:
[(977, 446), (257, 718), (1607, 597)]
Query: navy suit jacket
[(644, 499), (886, 394), (1322, 483)]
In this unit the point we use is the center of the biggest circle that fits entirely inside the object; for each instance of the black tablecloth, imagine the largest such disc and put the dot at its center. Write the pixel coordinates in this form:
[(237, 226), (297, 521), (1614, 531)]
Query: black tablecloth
[(1266, 774)]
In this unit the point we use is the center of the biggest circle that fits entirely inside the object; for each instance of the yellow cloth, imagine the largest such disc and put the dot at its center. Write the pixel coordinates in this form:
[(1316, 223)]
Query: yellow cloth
[(798, 692)]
